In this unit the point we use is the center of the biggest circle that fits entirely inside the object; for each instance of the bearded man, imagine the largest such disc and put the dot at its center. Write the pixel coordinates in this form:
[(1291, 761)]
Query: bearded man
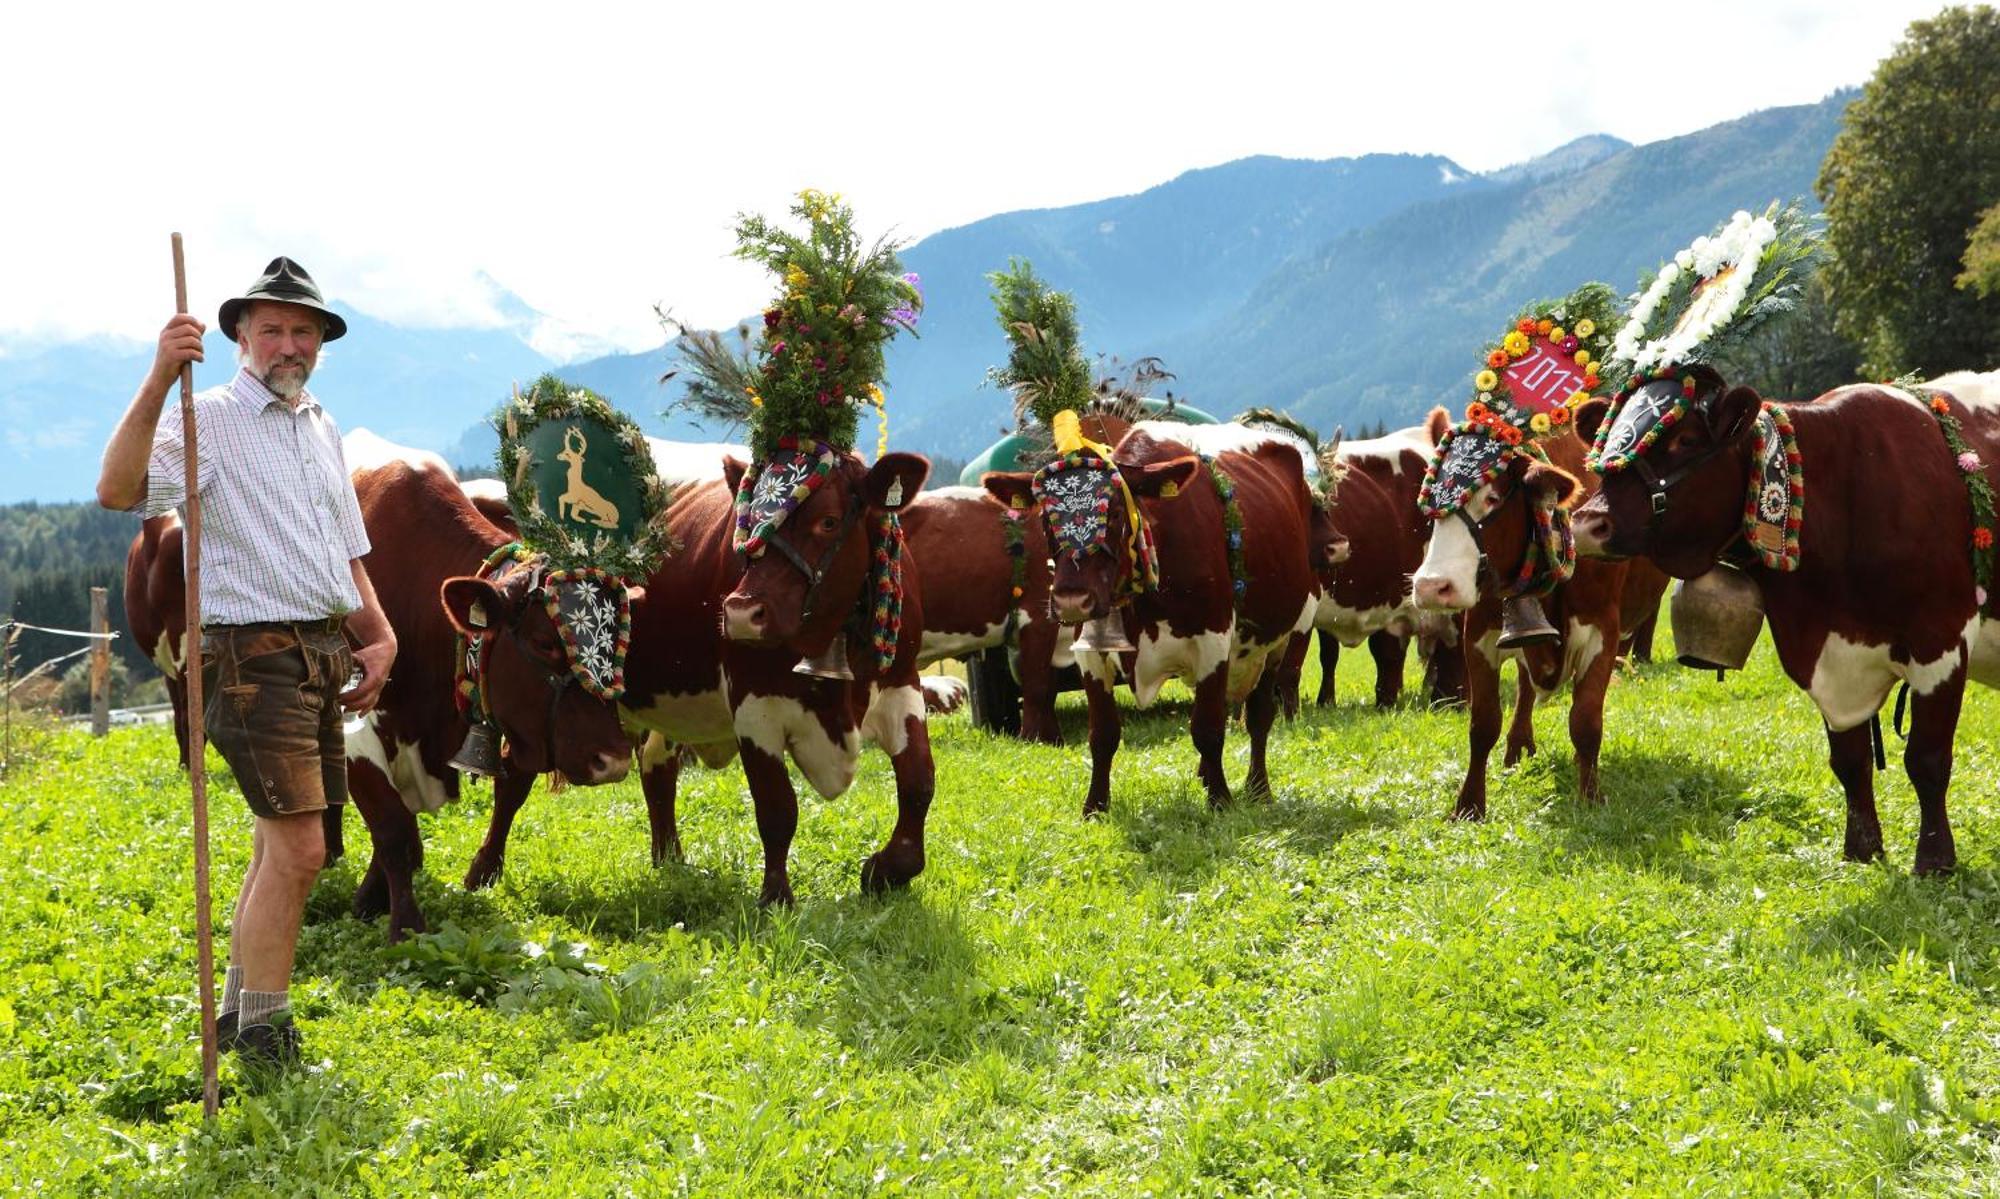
[(287, 610)]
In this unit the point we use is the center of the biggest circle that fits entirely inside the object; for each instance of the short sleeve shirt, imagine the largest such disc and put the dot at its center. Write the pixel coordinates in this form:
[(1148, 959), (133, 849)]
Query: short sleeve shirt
[(279, 520)]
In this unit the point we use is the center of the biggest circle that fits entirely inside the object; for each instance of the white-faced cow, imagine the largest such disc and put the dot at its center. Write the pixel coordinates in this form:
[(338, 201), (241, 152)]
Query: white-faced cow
[(1230, 593), (1883, 588), (1490, 538)]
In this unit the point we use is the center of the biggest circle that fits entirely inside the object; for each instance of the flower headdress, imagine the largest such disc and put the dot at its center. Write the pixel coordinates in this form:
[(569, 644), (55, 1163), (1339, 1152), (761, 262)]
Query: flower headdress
[(1709, 297), (1529, 383), (1046, 369)]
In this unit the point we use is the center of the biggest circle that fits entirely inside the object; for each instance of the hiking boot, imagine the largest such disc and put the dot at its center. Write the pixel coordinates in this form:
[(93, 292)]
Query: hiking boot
[(273, 1046), (225, 1031)]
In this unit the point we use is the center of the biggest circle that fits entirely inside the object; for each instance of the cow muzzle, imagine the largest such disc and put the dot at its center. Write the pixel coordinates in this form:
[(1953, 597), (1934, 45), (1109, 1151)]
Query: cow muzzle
[(609, 767), (1073, 607), (746, 619), (1595, 531)]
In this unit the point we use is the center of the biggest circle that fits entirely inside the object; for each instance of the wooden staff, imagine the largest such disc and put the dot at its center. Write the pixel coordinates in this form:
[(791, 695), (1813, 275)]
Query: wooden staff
[(204, 933)]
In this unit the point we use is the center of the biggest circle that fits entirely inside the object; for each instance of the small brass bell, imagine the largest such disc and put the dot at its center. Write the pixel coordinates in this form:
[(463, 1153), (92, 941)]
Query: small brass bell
[(1105, 635), (480, 755), (829, 663), (1523, 623)]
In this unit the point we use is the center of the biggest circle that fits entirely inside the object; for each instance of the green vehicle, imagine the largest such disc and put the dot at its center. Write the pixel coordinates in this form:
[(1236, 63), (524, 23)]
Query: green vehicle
[(993, 676)]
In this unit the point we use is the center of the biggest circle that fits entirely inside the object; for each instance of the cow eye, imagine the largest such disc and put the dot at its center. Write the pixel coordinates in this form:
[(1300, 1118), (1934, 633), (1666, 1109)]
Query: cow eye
[(828, 524)]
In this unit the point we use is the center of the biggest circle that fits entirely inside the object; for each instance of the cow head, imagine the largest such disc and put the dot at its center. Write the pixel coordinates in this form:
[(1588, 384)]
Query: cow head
[(1493, 527), (1089, 526), (1679, 501), (528, 680), (802, 584)]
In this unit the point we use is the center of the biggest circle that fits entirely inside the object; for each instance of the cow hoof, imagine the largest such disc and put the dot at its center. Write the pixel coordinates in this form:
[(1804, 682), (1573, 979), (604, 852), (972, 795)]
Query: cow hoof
[(1257, 788), (1862, 851), (482, 873), (1219, 800), (670, 853), (1468, 811), (880, 872), (401, 928), (775, 894), (371, 898), (1936, 864), (1095, 807)]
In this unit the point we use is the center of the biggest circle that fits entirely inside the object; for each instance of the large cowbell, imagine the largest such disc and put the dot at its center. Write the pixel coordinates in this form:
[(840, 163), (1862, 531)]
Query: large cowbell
[(1104, 635), (480, 755), (1523, 623)]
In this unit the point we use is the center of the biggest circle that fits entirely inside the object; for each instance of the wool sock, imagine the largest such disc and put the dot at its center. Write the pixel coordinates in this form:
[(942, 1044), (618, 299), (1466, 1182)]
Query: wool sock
[(259, 1006), (232, 990)]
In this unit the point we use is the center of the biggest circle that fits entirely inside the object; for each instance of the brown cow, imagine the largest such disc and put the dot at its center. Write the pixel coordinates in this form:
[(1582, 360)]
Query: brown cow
[(960, 535), (1584, 610), (1194, 625), (1884, 588), (428, 543), (711, 662)]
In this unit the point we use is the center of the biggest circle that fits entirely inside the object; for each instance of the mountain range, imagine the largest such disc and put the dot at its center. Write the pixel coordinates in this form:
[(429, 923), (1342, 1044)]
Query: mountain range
[(1348, 291)]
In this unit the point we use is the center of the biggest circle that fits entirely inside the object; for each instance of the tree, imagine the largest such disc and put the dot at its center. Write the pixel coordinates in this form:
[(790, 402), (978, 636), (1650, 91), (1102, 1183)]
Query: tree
[(1916, 163), (1982, 256)]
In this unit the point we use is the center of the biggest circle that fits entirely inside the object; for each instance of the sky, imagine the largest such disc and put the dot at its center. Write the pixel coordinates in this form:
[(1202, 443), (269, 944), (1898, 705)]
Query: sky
[(590, 159)]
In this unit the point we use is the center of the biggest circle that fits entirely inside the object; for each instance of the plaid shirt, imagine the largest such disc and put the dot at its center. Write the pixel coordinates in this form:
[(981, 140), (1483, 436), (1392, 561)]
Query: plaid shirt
[(279, 520)]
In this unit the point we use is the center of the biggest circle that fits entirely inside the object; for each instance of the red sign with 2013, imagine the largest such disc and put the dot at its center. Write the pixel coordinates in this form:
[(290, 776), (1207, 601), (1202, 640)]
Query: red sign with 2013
[(1544, 378)]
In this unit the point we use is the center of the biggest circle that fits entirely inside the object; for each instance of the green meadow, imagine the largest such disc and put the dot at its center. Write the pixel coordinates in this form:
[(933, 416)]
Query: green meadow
[(1684, 991)]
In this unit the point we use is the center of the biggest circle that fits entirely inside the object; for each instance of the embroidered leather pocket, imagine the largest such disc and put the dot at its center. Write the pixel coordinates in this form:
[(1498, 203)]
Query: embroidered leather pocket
[(243, 696)]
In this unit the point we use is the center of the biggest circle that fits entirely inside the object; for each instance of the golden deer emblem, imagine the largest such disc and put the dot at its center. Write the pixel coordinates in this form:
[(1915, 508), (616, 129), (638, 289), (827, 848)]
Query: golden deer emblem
[(579, 500)]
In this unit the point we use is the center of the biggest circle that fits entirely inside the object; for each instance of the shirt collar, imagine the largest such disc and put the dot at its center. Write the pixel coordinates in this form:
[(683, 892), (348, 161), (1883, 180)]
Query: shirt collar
[(249, 389)]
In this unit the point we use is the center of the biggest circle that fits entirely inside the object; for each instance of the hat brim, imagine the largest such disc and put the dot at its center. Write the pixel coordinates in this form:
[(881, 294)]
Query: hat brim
[(336, 328)]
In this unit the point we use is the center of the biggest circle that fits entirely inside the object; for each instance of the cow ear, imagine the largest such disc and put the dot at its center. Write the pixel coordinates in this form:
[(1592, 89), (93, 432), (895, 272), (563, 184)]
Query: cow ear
[(1551, 481), (1161, 479), (1437, 424), (475, 606), (1588, 416), (1015, 490), (895, 480), (1735, 413), (732, 472)]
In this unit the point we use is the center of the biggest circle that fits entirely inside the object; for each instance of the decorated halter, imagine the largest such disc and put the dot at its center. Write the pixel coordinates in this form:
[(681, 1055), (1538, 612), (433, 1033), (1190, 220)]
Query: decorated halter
[(1715, 292), (592, 614), (1075, 493), (768, 495), (1978, 493), (1528, 388)]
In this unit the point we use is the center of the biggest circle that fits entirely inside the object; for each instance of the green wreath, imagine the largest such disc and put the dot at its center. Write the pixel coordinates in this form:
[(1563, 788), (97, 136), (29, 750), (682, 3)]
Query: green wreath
[(581, 481)]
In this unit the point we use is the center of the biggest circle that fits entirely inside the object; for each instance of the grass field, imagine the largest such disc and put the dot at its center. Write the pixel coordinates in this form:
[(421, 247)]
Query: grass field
[(1336, 992)]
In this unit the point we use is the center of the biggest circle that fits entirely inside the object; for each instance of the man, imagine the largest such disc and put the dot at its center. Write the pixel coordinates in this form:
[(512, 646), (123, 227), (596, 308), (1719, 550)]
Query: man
[(281, 581)]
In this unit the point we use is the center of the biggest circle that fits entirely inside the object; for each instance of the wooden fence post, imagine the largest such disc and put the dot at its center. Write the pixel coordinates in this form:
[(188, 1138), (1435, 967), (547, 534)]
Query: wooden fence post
[(100, 665)]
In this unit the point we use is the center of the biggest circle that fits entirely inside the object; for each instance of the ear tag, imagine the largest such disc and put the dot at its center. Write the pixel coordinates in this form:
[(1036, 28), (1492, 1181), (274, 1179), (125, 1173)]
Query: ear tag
[(894, 499), (476, 615), (1169, 490)]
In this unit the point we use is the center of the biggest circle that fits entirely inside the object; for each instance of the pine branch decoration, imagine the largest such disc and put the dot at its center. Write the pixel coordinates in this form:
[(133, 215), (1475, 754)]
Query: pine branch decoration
[(1046, 369)]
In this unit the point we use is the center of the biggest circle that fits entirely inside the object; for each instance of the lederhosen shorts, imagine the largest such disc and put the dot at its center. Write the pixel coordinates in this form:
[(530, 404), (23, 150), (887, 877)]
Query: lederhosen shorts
[(271, 700)]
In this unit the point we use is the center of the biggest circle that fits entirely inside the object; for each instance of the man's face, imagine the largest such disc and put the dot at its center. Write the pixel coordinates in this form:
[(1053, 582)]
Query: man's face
[(280, 343)]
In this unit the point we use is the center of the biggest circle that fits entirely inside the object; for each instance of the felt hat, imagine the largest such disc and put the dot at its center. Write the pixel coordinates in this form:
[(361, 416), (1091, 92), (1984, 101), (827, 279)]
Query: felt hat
[(286, 281)]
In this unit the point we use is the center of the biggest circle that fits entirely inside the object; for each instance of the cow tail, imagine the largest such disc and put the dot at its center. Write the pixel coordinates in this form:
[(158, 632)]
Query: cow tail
[(1902, 706)]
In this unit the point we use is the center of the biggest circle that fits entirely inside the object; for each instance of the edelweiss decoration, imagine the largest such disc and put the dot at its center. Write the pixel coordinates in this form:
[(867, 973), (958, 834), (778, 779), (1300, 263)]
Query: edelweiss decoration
[(801, 385), (1527, 388), (1076, 492), (1712, 295)]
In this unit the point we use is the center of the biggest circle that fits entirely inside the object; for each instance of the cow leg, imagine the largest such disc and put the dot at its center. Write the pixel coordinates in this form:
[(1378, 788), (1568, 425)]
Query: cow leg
[(1038, 683), (1329, 664), (399, 852), (1388, 651), (1208, 725), (1521, 731), (1586, 718), (1289, 666), (902, 859), (510, 791), (777, 808), (1852, 756), (1444, 676), (660, 782), (1482, 686), (1105, 726), (1260, 712), (1927, 759), (1640, 648)]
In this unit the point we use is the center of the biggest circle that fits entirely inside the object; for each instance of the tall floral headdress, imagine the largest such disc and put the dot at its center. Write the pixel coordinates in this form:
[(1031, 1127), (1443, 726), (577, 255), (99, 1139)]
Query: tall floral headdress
[(1712, 295), (799, 385), (1046, 369)]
